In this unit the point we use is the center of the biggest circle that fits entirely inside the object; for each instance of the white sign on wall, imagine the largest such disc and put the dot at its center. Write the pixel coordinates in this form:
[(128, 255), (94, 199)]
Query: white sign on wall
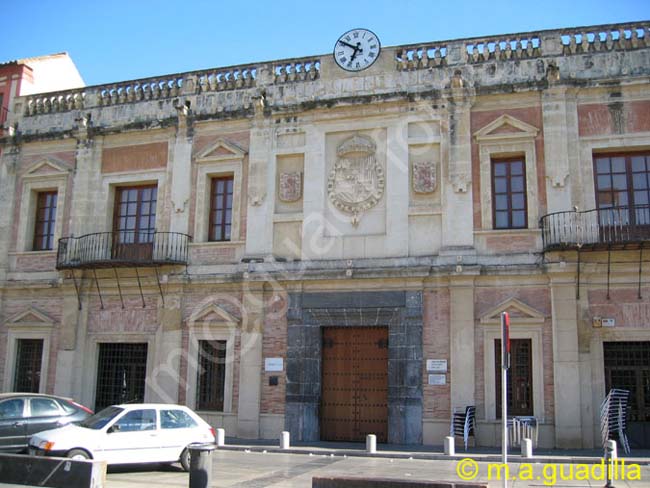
[(437, 365), (273, 364), (437, 379)]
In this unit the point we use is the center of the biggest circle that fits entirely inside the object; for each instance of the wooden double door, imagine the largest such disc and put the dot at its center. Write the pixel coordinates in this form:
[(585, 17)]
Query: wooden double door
[(354, 395)]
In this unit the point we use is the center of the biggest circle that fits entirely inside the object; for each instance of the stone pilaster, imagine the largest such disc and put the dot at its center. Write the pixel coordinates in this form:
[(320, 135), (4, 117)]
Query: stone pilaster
[(8, 164), (181, 174), (163, 381), (261, 187), (458, 226), (560, 134), (250, 363), (461, 335), (86, 186), (566, 361)]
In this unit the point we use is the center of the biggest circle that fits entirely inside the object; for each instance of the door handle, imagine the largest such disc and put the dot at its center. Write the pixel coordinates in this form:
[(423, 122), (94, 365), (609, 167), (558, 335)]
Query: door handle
[(17, 424)]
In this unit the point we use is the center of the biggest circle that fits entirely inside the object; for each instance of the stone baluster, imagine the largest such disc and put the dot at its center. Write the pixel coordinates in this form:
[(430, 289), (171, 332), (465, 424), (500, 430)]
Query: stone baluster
[(573, 44), (621, 39), (598, 45), (631, 42), (521, 52), (497, 50), (438, 57), (404, 59), (508, 53), (584, 42)]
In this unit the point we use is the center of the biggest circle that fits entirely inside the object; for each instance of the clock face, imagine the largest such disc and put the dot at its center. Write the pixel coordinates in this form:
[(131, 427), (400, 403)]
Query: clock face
[(357, 49)]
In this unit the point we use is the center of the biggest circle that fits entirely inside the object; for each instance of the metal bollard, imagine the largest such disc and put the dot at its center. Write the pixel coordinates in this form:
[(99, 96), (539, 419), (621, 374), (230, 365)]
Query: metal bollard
[(221, 437), (285, 440), (610, 459), (526, 448), (201, 464), (371, 443), (450, 446)]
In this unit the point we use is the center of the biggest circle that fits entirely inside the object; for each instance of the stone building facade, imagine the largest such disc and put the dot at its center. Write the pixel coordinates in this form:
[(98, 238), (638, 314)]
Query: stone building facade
[(291, 246)]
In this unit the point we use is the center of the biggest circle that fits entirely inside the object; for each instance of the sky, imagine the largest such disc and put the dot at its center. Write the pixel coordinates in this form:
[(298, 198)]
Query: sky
[(123, 40)]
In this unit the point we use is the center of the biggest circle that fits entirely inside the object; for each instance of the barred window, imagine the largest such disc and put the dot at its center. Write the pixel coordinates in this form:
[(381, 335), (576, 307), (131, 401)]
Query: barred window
[(211, 375)]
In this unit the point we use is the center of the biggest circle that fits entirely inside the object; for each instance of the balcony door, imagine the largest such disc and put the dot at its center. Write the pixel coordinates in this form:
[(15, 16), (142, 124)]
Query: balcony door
[(623, 196), (134, 223)]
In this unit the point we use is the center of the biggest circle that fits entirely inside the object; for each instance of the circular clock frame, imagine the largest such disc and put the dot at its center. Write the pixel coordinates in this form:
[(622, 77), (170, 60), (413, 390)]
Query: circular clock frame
[(357, 49)]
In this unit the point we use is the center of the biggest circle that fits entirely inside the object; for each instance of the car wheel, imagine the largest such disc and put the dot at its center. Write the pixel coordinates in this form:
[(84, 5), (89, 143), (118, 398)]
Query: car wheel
[(78, 454), (185, 459)]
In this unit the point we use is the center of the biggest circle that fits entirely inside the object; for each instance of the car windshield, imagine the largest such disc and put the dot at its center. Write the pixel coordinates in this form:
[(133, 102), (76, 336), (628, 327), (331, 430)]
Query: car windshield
[(100, 419)]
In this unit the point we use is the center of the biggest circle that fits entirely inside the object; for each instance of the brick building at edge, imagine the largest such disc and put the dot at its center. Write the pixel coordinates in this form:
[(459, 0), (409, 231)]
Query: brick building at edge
[(286, 245)]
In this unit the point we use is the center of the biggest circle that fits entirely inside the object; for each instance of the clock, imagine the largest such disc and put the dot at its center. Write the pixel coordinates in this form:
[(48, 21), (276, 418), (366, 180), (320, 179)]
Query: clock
[(357, 49)]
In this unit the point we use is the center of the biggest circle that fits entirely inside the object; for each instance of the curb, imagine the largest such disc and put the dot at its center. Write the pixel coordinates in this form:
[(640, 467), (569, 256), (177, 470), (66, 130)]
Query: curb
[(487, 458)]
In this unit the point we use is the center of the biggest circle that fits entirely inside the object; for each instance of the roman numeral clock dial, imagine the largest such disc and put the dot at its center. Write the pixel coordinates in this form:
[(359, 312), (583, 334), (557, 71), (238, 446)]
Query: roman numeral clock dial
[(357, 49)]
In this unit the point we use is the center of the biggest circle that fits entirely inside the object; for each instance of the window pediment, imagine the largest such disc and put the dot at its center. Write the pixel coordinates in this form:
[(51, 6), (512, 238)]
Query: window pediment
[(31, 318), (520, 313), (46, 167), (212, 314), (221, 150), (506, 127)]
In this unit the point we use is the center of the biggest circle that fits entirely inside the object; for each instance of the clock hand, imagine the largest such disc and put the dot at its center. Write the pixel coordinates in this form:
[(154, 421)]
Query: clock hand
[(357, 50), (348, 45)]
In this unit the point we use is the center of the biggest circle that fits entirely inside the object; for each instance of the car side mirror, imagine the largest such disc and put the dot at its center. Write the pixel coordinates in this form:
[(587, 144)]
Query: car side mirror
[(113, 428)]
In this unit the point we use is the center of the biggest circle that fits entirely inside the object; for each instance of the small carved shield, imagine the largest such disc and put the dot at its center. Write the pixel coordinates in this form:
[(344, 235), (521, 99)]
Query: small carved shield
[(290, 187), (424, 177)]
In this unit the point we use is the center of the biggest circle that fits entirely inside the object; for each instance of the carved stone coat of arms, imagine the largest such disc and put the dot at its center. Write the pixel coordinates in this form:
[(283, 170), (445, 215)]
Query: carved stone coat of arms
[(424, 177), (356, 182), (290, 187)]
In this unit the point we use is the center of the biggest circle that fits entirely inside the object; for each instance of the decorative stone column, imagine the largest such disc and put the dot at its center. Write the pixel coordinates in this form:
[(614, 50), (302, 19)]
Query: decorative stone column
[(250, 362), (566, 361)]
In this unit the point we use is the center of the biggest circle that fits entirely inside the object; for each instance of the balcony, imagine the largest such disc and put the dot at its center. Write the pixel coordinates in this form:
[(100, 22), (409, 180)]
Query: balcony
[(623, 227), (122, 249)]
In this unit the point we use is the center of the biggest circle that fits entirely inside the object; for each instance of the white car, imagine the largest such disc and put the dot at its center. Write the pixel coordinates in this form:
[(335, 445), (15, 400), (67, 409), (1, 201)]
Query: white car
[(130, 433)]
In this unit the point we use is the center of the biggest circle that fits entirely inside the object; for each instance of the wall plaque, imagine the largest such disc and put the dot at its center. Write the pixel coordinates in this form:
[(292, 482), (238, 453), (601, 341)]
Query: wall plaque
[(273, 364), (437, 379), (437, 365)]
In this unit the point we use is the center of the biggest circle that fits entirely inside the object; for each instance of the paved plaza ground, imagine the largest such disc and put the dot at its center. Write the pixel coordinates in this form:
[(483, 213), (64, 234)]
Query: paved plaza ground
[(265, 465)]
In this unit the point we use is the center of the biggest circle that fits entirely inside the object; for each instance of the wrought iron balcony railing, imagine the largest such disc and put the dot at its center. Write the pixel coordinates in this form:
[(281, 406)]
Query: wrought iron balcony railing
[(122, 248), (597, 228)]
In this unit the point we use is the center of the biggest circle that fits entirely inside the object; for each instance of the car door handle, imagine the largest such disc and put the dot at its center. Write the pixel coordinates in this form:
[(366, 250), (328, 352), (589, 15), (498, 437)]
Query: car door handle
[(17, 424)]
